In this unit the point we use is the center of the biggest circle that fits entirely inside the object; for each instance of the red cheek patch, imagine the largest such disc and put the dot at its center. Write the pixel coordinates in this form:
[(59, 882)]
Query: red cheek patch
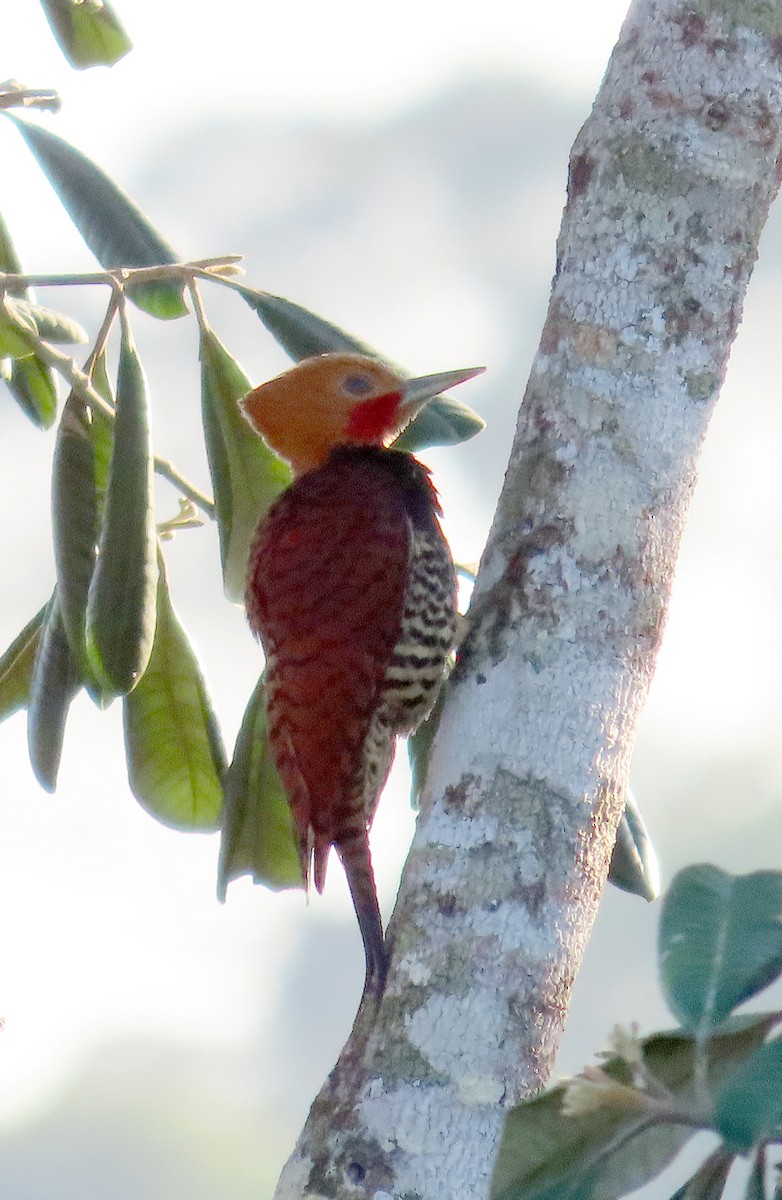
[(371, 420)]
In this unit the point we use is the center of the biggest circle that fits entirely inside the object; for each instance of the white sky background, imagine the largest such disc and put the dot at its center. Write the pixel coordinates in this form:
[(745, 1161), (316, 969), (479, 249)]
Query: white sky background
[(139, 964)]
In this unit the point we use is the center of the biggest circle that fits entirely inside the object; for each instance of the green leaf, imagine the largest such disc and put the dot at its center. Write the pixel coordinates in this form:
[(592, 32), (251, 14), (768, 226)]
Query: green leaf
[(633, 866), (748, 1105), (756, 1184), (257, 837), (10, 262), (720, 942), (602, 1154), (246, 475), (32, 384), (174, 750), (16, 332), (121, 601), (88, 32), (75, 522), (16, 666), (102, 429), (29, 379), (708, 1182), (115, 229), (419, 746), (442, 422), (51, 326), (302, 334), (55, 682)]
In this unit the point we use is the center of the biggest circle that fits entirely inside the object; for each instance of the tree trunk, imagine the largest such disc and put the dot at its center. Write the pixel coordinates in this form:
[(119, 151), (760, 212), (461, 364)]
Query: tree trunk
[(670, 183)]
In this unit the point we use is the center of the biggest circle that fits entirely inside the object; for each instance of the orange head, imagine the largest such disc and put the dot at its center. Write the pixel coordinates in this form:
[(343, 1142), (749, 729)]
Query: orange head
[(336, 400)]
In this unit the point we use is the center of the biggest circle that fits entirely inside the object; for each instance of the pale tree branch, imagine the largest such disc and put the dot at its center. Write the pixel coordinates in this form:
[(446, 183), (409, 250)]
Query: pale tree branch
[(671, 180)]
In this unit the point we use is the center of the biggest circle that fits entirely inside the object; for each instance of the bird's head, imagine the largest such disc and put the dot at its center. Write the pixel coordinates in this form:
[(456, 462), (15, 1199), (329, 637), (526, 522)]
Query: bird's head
[(337, 400)]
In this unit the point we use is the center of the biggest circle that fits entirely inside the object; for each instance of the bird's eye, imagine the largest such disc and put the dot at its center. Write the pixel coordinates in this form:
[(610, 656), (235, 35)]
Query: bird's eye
[(358, 385)]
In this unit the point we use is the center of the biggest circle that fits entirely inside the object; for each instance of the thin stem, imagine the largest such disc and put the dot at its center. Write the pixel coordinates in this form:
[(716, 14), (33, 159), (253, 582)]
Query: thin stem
[(80, 383), (209, 268), (15, 95), (198, 307), (104, 331), (168, 471)]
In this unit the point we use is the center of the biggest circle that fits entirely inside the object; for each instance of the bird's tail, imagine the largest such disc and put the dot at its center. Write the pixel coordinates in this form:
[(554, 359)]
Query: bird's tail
[(354, 854)]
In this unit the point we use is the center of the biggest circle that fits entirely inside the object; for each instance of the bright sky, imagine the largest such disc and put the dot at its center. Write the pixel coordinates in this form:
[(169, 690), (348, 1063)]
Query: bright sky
[(343, 58), (137, 963)]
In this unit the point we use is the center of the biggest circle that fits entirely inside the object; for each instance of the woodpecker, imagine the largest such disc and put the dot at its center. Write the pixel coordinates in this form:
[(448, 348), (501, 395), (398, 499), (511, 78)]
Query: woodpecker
[(352, 592)]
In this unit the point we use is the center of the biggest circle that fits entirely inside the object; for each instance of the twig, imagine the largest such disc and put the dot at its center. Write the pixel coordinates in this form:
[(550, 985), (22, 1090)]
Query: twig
[(81, 384), (168, 471), (198, 307), (209, 268), (14, 94)]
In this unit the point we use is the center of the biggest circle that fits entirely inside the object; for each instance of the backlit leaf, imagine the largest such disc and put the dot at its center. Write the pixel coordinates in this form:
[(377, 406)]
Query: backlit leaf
[(16, 340), (29, 379), (16, 666), (115, 229), (55, 682), (174, 750), (257, 837), (122, 595), (246, 475), (10, 263), (89, 32), (50, 325), (32, 384), (75, 524)]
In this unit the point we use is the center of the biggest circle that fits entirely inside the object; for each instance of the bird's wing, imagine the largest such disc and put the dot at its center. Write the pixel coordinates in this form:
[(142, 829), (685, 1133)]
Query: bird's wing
[(326, 591)]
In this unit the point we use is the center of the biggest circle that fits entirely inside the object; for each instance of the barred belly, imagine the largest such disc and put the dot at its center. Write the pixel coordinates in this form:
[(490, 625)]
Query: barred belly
[(418, 663)]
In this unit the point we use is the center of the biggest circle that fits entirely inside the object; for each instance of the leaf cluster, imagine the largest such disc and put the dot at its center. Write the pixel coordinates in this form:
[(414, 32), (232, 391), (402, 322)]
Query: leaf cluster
[(109, 626), (615, 1127)]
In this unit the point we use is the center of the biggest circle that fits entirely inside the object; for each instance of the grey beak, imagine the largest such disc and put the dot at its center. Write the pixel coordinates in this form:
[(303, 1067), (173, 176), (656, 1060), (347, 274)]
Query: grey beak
[(425, 387)]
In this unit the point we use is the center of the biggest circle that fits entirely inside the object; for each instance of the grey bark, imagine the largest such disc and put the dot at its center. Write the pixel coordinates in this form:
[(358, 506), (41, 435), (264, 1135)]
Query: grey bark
[(671, 179)]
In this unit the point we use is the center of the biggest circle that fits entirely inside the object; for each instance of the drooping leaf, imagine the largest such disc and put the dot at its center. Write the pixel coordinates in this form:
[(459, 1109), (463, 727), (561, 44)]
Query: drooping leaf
[(75, 522), (709, 1180), (121, 601), (55, 682), (604, 1153), (246, 475), (748, 1104), (89, 32), (29, 379), (102, 429), (442, 422), (634, 867), (16, 666), (720, 942), (115, 229), (16, 340), (756, 1183), (10, 263), (32, 384), (257, 835), (174, 750), (419, 746), (50, 325), (301, 333)]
